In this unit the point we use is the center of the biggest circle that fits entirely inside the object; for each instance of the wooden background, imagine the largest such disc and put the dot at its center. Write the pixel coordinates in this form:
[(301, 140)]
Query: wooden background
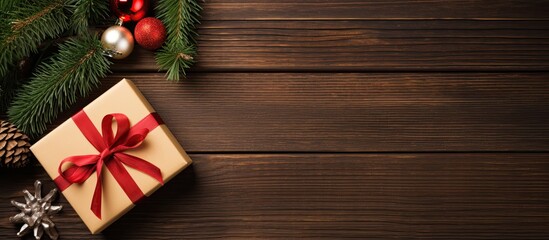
[(333, 119)]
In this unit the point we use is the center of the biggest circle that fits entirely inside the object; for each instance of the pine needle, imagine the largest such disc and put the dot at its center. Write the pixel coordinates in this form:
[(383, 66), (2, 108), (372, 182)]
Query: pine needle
[(26, 26), (175, 59), (73, 72), (180, 18), (6, 5), (85, 12)]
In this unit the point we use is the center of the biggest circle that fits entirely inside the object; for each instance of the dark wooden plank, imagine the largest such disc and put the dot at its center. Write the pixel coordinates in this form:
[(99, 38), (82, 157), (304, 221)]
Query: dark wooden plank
[(360, 9), (412, 196), (219, 112), (364, 46)]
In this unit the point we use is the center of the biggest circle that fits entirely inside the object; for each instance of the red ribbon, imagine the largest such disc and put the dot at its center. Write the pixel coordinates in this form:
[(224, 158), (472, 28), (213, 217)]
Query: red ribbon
[(111, 154)]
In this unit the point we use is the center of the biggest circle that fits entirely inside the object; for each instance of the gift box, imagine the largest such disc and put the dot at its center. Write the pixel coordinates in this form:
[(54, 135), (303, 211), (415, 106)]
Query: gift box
[(110, 155)]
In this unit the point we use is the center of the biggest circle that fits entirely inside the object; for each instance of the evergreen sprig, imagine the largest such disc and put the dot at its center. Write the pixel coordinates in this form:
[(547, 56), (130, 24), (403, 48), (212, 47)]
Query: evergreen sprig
[(25, 26), (175, 58), (180, 18), (57, 83), (85, 12)]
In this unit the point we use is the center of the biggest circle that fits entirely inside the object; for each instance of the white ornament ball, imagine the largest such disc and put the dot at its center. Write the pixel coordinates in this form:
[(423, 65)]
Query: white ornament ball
[(118, 41)]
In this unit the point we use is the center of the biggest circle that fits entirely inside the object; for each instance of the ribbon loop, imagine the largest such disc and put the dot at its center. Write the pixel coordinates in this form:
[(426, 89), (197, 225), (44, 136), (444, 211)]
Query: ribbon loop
[(111, 147), (123, 127)]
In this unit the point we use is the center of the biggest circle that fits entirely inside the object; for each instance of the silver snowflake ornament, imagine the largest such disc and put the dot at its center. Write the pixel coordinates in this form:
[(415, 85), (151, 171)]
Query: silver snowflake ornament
[(36, 213)]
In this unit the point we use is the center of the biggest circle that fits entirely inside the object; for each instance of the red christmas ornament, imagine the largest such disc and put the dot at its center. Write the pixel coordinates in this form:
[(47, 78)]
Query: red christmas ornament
[(130, 10), (150, 33)]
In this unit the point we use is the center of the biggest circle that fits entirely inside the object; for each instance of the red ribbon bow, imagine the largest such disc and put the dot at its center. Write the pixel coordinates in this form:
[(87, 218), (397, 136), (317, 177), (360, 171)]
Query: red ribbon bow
[(111, 154)]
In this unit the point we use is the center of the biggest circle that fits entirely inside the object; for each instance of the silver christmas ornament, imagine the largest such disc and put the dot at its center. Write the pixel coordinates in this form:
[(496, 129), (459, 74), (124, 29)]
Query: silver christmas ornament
[(36, 213), (117, 41)]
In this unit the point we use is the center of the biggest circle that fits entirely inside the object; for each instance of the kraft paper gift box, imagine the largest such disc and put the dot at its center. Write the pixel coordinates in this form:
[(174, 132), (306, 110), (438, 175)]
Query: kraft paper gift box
[(118, 194)]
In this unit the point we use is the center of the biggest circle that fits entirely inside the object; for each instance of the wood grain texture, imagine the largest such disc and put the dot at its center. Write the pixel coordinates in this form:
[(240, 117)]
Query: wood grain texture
[(380, 9), (411, 196), (351, 112), (364, 46), (324, 119)]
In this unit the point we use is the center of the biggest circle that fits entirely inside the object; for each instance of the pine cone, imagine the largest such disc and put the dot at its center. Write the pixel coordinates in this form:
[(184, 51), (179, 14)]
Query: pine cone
[(14, 146)]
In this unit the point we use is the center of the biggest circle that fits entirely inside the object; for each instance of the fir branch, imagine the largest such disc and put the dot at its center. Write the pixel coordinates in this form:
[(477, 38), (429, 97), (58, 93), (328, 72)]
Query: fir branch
[(180, 18), (85, 12), (24, 27), (175, 58), (71, 73)]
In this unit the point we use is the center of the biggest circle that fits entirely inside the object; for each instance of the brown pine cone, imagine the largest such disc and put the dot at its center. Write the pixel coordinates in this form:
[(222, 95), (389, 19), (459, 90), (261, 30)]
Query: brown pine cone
[(14, 146)]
